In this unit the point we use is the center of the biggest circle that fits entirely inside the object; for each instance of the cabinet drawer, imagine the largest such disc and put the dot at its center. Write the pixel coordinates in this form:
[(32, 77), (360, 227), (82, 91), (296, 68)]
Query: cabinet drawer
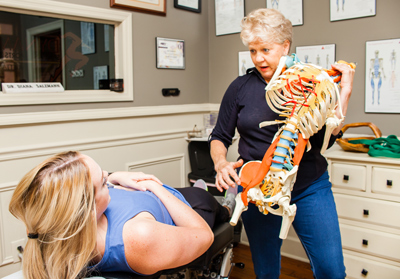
[(367, 210), (386, 181), (371, 242), (361, 268), (349, 176)]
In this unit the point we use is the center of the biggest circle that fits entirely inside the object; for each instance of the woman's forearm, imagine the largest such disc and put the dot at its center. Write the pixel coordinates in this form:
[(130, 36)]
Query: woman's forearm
[(344, 100), (346, 85), (182, 214), (226, 175), (218, 153)]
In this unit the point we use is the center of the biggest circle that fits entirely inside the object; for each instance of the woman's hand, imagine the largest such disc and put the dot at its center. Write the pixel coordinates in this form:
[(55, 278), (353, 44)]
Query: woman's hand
[(348, 72), (226, 174), (132, 179)]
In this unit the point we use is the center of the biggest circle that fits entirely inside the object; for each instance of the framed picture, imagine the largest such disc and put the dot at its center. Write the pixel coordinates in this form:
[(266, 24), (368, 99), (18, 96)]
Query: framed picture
[(245, 62), (88, 39), (100, 75), (228, 15), (189, 5), (382, 85), (320, 55), (170, 53), (291, 9), (341, 10), (156, 7)]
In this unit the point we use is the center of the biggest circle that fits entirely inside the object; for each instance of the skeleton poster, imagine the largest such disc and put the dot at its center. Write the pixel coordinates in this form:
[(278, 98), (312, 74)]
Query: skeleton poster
[(347, 9), (382, 73)]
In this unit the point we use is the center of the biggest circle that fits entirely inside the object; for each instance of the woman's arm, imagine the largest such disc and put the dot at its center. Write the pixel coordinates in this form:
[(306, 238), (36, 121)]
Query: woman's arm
[(346, 85), (151, 246), (225, 170)]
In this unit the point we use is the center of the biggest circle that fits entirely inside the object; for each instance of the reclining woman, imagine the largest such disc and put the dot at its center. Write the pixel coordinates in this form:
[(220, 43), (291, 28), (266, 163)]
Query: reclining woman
[(75, 222)]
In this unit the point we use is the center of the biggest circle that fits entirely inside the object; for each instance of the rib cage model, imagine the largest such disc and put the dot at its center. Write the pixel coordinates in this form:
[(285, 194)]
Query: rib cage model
[(308, 97)]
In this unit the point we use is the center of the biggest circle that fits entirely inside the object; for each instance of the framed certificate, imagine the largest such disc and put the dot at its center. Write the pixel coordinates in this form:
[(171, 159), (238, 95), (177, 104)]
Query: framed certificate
[(170, 53), (100, 76)]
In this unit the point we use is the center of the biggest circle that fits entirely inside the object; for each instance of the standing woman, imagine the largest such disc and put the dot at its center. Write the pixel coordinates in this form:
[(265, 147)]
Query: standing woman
[(268, 35)]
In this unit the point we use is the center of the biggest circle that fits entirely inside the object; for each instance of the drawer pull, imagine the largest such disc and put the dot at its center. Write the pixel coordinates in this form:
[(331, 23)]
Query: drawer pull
[(389, 182), (364, 272), (365, 242), (345, 177), (366, 212)]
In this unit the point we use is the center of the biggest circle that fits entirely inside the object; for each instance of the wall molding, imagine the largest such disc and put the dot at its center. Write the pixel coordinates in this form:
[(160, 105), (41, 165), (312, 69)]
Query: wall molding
[(8, 186), (95, 114), (134, 166), (47, 149)]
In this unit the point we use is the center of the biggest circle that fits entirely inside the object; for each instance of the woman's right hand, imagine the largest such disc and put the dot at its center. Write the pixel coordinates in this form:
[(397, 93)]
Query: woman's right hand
[(131, 180), (226, 174)]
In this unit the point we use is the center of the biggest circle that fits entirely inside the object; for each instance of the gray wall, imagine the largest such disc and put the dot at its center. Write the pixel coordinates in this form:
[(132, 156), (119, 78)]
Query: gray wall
[(349, 36), (211, 61)]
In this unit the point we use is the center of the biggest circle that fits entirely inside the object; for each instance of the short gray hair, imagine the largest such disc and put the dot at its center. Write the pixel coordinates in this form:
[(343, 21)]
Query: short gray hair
[(266, 25)]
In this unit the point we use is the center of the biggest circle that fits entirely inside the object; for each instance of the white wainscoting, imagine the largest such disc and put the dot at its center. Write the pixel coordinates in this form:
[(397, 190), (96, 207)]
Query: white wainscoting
[(163, 168)]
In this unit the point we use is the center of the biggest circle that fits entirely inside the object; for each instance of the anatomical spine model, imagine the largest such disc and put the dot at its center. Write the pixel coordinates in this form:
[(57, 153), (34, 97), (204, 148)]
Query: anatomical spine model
[(308, 97)]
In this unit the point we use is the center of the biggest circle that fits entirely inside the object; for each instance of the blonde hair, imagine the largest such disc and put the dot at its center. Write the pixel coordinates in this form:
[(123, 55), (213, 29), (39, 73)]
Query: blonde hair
[(266, 25), (56, 201)]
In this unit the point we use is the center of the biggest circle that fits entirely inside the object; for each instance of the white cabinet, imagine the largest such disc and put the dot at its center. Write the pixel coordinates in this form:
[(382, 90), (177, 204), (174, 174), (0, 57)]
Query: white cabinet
[(367, 195)]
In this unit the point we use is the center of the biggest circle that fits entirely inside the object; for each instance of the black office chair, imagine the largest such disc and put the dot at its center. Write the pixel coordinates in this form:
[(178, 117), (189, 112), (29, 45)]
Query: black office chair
[(202, 167)]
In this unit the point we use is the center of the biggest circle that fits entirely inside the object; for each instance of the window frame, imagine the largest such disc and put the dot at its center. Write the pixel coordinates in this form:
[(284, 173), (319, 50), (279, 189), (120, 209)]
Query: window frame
[(123, 41)]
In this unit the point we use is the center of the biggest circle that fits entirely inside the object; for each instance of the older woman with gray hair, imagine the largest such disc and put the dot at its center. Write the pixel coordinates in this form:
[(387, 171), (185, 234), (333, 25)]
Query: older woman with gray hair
[(268, 35)]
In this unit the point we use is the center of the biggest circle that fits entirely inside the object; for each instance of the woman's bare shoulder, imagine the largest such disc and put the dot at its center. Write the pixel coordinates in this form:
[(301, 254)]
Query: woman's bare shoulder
[(139, 226), (139, 240)]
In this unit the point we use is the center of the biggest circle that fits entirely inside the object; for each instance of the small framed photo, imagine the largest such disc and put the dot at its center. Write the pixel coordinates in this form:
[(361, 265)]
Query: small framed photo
[(88, 39), (291, 9), (188, 5), (342, 10), (228, 15), (245, 62), (170, 53), (382, 85), (320, 55), (156, 7)]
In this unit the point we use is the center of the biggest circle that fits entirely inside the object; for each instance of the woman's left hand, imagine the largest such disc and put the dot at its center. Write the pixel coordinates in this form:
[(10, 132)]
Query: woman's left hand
[(131, 179)]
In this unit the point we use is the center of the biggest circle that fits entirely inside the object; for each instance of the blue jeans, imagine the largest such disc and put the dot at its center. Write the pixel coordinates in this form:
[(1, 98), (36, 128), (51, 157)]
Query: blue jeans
[(316, 224)]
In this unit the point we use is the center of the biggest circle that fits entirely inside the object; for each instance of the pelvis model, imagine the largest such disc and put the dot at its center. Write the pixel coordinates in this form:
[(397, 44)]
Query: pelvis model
[(308, 97)]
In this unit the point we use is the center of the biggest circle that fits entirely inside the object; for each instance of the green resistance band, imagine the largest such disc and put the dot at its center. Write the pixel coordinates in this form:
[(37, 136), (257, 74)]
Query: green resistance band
[(381, 147)]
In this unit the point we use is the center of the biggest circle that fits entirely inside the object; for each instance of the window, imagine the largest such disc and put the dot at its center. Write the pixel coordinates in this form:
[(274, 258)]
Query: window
[(79, 46)]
